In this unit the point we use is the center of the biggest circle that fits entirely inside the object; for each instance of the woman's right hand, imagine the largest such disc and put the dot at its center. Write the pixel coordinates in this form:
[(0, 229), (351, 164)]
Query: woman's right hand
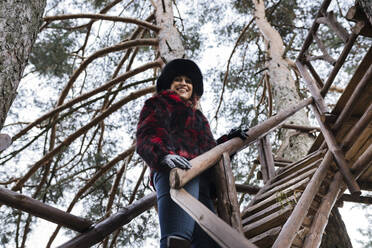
[(173, 161)]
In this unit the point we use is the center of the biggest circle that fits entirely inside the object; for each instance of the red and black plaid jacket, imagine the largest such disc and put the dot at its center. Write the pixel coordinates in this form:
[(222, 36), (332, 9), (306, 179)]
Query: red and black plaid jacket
[(168, 125)]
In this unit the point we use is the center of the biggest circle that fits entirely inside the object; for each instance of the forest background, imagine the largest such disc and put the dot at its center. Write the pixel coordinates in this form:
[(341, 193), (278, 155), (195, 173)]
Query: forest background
[(98, 69)]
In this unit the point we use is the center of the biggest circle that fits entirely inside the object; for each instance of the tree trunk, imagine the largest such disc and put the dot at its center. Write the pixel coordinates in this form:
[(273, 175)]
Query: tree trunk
[(367, 7), (19, 23), (295, 145), (335, 235)]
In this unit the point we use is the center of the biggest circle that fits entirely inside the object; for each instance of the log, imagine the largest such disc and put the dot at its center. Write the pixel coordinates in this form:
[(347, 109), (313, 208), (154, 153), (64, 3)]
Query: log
[(300, 128), (42, 210), (178, 178), (358, 128), (312, 31), (314, 90), (228, 207), (338, 155), (357, 199), (268, 156), (263, 162), (340, 61), (222, 233), (350, 104), (99, 231), (250, 189), (294, 222), (336, 187)]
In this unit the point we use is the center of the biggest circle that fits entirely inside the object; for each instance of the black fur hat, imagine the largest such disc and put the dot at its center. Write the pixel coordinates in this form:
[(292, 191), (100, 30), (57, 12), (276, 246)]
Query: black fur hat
[(180, 67)]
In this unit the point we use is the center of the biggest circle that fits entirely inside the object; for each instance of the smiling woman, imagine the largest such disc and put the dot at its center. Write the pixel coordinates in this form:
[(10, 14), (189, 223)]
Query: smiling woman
[(182, 85)]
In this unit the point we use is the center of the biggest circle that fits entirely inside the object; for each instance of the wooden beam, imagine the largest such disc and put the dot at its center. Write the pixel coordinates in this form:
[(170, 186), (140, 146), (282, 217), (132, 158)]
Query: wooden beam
[(357, 199), (300, 128), (100, 230), (44, 211), (314, 90), (340, 61), (331, 21), (228, 207), (350, 104), (250, 189), (338, 154), (336, 187), (222, 233), (178, 177), (290, 228), (357, 129), (313, 30)]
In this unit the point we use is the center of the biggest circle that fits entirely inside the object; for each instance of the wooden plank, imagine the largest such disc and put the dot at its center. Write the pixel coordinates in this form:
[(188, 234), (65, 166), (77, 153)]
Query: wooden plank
[(271, 209), (293, 224), (300, 164), (268, 222), (294, 175), (285, 185), (228, 207), (267, 238), (268, 201), (338, 154), (222, 233), (289, 172)]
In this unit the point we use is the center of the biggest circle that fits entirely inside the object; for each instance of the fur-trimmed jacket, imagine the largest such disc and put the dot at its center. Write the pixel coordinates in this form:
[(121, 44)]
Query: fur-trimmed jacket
[(169, 125)]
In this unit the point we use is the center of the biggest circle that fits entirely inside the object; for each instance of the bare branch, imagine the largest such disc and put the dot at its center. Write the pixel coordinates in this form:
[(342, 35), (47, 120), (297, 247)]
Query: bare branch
[(103, 17)]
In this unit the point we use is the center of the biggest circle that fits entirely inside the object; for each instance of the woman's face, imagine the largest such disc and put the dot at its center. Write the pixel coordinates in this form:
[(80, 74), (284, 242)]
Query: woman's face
[(182, 85)]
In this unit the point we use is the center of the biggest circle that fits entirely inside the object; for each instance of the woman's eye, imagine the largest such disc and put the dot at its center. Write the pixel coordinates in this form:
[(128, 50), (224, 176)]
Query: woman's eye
[(188, 81), (177, 79)]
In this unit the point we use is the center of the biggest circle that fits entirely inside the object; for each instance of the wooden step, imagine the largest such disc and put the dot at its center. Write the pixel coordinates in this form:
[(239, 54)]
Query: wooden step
[(266, 239), (285, 184), (272, 199), (299, 165), (275, 219), (271, 209)]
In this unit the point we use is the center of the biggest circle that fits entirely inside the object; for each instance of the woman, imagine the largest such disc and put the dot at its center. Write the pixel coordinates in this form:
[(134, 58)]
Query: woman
[(170, 132)]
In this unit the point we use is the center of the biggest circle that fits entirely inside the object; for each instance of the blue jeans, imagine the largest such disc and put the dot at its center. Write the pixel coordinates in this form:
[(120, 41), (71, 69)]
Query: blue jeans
[(174, 221)]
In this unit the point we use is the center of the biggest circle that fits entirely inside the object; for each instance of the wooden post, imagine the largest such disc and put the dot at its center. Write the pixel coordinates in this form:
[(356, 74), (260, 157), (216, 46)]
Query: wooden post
[(313, 29), (358, 91), (362, 123), (44, 211), (228, 207), (314, 90), (178, 177), (99, 231), (338, 154), (222, 233), (340, 61), (290, 228), (337, 186), (263, 162)]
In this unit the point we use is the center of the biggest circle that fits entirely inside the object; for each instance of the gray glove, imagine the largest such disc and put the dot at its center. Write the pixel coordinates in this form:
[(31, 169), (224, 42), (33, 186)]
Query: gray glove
[(173, 161)]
